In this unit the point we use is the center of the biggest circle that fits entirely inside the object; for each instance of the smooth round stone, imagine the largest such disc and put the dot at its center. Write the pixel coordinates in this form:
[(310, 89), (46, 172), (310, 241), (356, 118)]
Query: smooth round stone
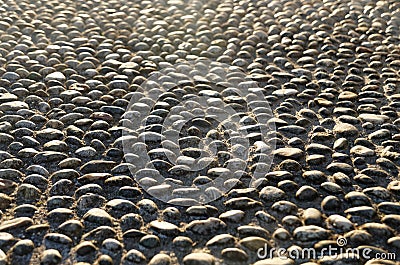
[(199, 259), (5, 97), (394, 187), (150, 241), (28, 192), (356, 198), (339, 223), (394, 242), (3, 258), (284, 207), (345, 130), (235, 254), (134, 255), (312, 216), (112, 245), (131, 221), (332, 188), (98, 216), (164, 227), (271, 194), (5, 201), (315, 176), (221, 240), (10, 76), (50, 257), (56, 145), (281, 234), (104, 260), (13, 106), (182, 242), (60, 215), (310, 232), (377, 229), (71, 228), (252, 230), (171, 213), (58, 76), (232, 216), (160, 259), (70, 163), (306, 193), (23, 247), (265, 217), (358, 237), (291, 153), (85, 248), (373, 118), (347, 95), (364, 212)]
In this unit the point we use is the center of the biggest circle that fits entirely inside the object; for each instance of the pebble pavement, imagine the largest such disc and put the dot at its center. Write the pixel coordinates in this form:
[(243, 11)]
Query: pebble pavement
[(328, 69)]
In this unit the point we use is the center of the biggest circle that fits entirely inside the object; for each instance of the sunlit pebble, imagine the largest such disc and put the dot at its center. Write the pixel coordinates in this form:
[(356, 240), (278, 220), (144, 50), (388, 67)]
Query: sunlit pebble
[(68, 70)]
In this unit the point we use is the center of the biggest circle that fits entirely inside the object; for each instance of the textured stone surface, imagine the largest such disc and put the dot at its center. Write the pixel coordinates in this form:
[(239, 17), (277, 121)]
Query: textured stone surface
[(322, 164)]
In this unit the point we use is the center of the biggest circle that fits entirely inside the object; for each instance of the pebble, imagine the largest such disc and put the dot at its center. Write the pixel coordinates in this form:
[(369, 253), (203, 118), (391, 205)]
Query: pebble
[(71, 228), (14, 106), (199, 259), (28, 192), (6, 239), (284, 207), (234, 254), (57, 241), (377, 229), (310, 232), (345, 130), (252, 230), (323, 154), (150, 241), (271, 194), (291, 153), (281, 234), (50, 257), (361, 211), (339, 223), (85, 248), (306, 193), (359, 150), (23, 247), (182, 242), (3, 258), (5, 201), (16, 223), (99, 234), (253, 243), (57, 76), (394, 241), (160, 259), (98, 216), (373, 118), (221, 240), (164, 228), (232, 216), (204, 227), (312, 216)]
